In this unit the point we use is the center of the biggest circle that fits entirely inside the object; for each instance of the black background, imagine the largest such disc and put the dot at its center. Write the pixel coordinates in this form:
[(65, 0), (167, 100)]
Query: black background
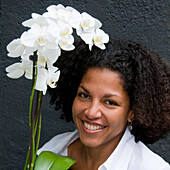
[(146, 21)]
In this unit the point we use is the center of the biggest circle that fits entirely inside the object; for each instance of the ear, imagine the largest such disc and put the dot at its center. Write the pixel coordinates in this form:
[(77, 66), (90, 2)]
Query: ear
[(130, 116)]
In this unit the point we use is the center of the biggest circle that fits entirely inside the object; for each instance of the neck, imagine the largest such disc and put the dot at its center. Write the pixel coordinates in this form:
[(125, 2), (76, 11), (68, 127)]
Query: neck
[(94, 157), (98, 154), (91, 157)]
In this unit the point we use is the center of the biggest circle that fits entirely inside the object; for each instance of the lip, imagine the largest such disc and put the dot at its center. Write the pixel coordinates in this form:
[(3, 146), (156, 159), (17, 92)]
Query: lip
[(92, 131)]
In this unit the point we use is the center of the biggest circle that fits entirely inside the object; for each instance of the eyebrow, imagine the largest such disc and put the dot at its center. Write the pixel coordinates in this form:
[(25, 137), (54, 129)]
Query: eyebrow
[(85, 89), (109, 95), (105, 96)]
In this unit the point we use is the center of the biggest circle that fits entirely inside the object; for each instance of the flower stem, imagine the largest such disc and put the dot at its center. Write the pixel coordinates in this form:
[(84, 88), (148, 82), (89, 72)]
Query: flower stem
[(34, 121), (38, 120)]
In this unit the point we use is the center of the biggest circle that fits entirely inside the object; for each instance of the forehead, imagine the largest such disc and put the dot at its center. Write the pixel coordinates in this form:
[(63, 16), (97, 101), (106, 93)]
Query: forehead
[(102, 78), (101, 73)]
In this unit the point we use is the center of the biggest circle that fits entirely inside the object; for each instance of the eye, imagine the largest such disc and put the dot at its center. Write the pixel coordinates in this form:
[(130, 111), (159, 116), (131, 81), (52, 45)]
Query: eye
[(83, 95), (112, 103)]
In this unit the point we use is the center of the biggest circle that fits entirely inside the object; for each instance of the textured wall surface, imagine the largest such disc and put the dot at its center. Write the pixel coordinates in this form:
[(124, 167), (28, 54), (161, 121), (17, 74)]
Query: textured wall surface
[(146, 21)]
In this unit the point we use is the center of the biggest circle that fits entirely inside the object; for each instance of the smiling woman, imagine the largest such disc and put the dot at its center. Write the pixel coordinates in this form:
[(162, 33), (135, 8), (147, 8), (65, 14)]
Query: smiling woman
[(101, 109), (104, 92)]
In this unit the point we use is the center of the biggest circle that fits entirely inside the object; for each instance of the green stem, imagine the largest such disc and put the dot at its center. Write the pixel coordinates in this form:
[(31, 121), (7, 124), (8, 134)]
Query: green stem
[(38, 127), (37, 124), (32, 143), (31, 151), (34, 120), (27, 159), (32, 97)]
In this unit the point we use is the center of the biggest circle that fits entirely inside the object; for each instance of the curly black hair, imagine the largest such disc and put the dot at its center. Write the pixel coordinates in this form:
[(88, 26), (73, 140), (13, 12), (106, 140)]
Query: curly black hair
[(146, 79)]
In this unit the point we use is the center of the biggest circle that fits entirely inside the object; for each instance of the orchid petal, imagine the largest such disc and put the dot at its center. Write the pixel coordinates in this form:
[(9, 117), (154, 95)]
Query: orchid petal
[(65, 30), (55, 7), (28, 23), (52, 54), (36, 29), (68, 47), (75, 17), (28, 39), (13, 67), (27, 52), (15, 71), (98, 24), (28, 75), (14, 54), (41, 84), (36, 18), (54, 30), (16, 74), (105, 37), (87, 37), (52, 70), (27, 67), (52, 79), (88, 21), (90, 46), (35, 15), (15, 48), (75, 20), (101, 46)]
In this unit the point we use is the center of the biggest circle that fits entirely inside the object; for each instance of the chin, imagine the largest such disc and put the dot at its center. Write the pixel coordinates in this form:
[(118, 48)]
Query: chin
[(92, 143)]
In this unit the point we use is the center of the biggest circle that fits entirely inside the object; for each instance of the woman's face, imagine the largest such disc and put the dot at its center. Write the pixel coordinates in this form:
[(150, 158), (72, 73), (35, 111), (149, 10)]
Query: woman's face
[(101, 108)]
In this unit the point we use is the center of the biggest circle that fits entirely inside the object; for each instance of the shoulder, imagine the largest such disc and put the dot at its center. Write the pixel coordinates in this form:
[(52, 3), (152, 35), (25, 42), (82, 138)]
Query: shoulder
[(59, 142), (144, 158)]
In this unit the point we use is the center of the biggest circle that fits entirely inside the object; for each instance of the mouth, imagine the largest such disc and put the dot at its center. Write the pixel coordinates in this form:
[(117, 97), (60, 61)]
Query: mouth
[(92, 128)]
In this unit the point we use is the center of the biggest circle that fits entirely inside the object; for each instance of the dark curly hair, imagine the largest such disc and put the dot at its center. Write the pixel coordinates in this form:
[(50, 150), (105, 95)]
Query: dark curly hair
[(145, 75)]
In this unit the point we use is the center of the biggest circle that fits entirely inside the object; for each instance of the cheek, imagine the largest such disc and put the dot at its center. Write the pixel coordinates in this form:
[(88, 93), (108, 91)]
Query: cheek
[(119, 117), (76, 112)]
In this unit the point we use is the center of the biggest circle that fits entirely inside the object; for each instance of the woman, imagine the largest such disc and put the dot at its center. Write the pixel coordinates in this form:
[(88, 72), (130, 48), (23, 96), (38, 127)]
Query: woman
[(104, 92)]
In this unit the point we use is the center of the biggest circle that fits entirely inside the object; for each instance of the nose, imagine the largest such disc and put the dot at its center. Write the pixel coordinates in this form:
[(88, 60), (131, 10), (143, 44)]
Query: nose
[(93, 111)]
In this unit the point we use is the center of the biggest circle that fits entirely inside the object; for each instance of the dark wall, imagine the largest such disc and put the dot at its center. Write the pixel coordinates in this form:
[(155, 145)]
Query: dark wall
[(146, 21)]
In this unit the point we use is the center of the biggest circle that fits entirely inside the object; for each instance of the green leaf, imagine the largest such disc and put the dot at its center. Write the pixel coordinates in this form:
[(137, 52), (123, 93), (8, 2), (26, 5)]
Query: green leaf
[(50, 161)]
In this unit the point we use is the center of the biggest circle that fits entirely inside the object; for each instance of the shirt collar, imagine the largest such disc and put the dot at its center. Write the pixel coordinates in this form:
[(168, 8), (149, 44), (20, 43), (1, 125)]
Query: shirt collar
[(121, 156)]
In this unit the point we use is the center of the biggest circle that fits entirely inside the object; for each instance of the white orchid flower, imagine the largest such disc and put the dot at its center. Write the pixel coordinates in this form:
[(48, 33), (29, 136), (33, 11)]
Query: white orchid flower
[(48, 56), (67, 44), (27, 52), (54, 30), (45, 78), (87, 27), (52, 9), (87, 37), (66, 39), (15, 48), (65, 30), (89, 23), (30, 38), (36, 18), (48, 34), (75, 17), (100, 38), (53, 77), (37, 37), (17, 70), (62, 32), (59, 31), (58, 13)]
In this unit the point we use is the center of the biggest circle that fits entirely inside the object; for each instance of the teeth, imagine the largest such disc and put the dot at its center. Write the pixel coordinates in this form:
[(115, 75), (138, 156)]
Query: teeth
[(92, 127)]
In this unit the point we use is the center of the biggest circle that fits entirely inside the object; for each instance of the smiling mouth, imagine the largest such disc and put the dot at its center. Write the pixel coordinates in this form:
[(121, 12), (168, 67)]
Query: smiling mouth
[(92, 127)]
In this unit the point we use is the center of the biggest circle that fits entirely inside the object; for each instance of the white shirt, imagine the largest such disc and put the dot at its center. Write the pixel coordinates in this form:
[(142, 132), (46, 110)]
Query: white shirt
[(128, 155)]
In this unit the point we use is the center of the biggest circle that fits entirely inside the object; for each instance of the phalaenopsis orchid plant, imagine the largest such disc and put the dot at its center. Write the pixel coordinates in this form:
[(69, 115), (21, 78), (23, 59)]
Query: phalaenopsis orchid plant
[(38, 48)]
